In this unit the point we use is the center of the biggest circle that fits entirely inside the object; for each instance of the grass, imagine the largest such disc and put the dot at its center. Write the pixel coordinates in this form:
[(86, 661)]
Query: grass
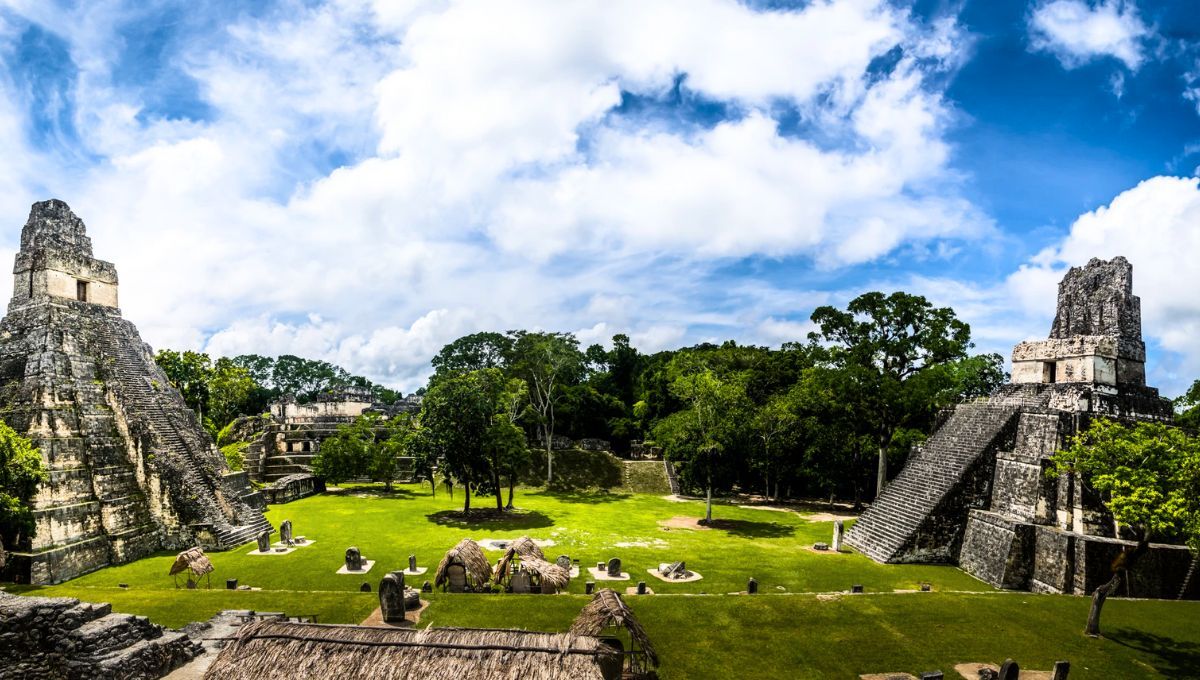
[(787, 631)]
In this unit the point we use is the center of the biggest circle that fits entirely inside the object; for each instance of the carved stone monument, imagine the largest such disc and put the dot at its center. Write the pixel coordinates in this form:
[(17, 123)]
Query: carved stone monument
[(391, 597), (264, 542), (614, 567), (354, 560), (412, 562), (285, 533), (838, 532)]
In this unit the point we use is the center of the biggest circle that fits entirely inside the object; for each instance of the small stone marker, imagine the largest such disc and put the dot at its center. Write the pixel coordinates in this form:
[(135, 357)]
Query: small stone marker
[(391, 597), (752, 587), (856, 588), (427, 587), (285, 532), (264, 542), (641, 588), (1009, 670), (365, 587), (820, 546), (600, 566), (231, 584), (412, 562), (838, 531), (926, 587), (122, 585), (1061, 669), (933, 675), (589, 587), (564, 562), (614, 566), (353, 559)]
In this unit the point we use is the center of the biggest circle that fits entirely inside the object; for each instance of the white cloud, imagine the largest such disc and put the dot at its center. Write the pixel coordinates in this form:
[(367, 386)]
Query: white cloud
[(1077, 32), (376, 178)]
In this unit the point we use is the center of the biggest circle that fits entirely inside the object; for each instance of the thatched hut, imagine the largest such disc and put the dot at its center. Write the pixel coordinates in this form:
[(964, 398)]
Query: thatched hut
[(606, 617), (528, 573), (464, 568), (269, 650), (195, 563), (525, 547)]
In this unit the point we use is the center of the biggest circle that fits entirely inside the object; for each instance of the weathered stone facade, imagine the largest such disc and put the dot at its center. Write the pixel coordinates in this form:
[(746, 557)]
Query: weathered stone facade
[(131, 469), (61, 637), (284, 443), (977, 493)]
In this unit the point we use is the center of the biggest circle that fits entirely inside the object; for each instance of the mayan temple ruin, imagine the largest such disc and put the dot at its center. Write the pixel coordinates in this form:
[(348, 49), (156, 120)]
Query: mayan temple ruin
[(131, 469), (976, 493)]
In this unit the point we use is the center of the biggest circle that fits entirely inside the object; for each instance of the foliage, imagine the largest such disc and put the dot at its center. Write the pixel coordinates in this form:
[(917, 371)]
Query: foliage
[(235, 454), (545, 361), (456, 419), (897, 352), (21, 471), (580, 470), (1188, 408), (366, 448), (1147, 474)]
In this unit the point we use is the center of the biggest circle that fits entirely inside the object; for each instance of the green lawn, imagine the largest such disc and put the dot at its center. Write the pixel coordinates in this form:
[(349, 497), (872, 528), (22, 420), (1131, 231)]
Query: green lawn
[(786, 632)]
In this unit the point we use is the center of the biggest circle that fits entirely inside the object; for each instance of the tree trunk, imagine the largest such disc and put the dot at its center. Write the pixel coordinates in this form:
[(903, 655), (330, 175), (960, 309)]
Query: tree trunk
[(433, 487), (881, 473), (467, 502), (1098, 598), (708, 503), (767, 486), (858, 506), (499, 488), (512, 484)]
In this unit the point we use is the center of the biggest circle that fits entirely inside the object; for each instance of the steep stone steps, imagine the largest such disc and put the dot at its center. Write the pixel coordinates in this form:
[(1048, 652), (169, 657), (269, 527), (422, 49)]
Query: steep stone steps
[(893, 521)]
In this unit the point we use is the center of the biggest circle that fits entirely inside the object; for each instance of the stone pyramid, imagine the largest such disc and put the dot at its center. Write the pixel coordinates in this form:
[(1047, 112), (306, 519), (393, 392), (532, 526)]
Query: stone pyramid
[(131, 469), (977, 493)]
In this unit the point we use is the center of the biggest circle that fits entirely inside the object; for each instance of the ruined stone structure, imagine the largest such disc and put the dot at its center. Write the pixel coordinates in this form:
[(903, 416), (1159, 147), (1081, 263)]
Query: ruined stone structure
[(61, 637), (976, 492), (283, 445), (131, 469)]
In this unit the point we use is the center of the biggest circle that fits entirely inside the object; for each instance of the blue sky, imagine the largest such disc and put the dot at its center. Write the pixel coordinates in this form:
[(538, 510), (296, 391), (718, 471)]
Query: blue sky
[(363, 181)]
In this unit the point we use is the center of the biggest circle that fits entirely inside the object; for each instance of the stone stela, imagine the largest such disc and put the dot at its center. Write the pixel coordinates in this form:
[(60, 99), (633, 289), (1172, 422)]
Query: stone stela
[(976, 492)]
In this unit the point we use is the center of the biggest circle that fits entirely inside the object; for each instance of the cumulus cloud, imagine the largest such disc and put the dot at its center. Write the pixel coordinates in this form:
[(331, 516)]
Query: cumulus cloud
[(1077, 32), (363, 180)]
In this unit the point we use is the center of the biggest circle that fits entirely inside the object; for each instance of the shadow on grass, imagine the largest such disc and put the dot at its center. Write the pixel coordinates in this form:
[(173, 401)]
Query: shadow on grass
[(396, 493), (590, 497), (1179, 658), (749, 529), (490, 518)]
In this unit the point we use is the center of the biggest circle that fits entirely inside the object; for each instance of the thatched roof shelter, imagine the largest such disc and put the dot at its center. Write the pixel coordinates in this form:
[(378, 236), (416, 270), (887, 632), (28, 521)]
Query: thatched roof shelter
[(545, 572), (468, 554), (193, 560), (525, 547), (269, 650), (607, 610)]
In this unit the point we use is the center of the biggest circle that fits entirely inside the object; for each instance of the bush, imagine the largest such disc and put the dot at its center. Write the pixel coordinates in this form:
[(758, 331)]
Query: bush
[(235, 454)]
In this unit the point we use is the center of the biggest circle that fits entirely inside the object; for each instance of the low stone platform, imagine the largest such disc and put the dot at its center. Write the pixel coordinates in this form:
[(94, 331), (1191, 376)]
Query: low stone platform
[(692, 577), (602, 575), (367, 564)]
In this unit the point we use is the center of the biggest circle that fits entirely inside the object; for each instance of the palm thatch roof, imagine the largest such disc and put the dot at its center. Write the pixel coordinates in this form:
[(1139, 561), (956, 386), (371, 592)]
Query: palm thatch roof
[(269, 650), (470, 555), (547, 572), (193, 560), (607, 610), (525, 547)]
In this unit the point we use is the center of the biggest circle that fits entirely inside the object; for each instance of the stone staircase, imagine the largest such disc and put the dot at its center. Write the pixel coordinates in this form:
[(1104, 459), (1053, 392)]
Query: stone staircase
[(161, 408), (892, 525), (60, 637)]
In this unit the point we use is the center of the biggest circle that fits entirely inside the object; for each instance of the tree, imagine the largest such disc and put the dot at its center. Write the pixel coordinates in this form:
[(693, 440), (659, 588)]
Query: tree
[(545, 361), (704, 432), (229, 388), (1188, 408), (457, 415), (348, 453), (774, 421), (896, 348), (472, 353), (187, 372), (21, 471), (1148, 477)]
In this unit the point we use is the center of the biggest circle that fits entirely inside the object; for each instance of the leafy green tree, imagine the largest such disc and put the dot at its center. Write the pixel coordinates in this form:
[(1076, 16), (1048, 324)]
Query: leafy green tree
[(229, 388), (1187, 408), (187, 372), (775, 425), (546, 362), (348, 454), (1148, 477), (896, 348), (703, 435), (21, 471), (457, 416), (472, 353)]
